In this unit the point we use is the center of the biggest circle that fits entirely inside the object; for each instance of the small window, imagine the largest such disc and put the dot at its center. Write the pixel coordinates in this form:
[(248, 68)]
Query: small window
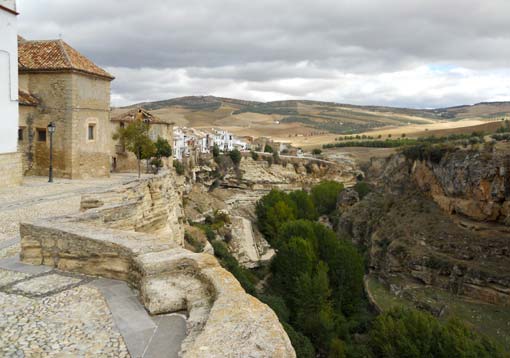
[(20, 134), (91, 132), (41, 134), (121, 124)]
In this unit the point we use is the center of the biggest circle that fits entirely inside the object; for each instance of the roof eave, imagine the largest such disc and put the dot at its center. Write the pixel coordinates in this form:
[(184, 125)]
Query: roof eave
[(65, 70), (9, 10)]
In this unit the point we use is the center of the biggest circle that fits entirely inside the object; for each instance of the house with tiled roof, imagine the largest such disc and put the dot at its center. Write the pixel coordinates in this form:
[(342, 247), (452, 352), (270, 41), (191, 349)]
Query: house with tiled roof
[(59, 84), (158, 128), (10, 163)]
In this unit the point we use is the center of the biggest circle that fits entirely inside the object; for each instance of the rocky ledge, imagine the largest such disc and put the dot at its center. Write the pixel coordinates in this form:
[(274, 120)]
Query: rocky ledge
[(224, 321)]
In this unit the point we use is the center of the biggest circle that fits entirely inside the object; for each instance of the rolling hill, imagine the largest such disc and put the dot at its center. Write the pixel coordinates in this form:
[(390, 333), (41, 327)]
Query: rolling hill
[(298, 119)]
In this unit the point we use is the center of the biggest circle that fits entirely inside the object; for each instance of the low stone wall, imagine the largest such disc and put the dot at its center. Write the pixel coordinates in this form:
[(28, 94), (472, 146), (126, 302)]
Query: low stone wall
[(224, 321)]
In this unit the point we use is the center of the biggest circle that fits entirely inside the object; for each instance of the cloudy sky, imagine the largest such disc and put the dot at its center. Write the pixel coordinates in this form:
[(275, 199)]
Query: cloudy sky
[(418, 53)]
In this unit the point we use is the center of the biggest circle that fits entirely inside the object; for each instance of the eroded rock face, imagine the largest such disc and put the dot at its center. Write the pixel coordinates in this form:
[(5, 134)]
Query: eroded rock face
[(247, 246), (224, 321), (438, 224)]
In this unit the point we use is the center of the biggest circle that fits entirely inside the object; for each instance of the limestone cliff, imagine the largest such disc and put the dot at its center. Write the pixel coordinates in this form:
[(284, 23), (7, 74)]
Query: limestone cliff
[(442, 224)]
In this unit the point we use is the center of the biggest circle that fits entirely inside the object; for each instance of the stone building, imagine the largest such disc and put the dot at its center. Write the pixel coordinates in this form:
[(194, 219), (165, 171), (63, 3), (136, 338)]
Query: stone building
[(10, 163), (58, 84), (123, 160)]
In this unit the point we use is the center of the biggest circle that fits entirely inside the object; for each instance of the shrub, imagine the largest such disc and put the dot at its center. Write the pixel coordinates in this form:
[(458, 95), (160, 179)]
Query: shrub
[(402, 332), (254, 155), (317, 151), (268, 149), (301, 343), (362, 188), (179, 167), (216, 151), (196, 244), (324, 196), (163, 148), (235, 156)]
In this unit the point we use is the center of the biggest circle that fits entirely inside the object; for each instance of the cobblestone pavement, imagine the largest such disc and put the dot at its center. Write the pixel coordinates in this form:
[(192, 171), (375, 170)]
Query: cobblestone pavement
[(36, 198), (49, 313), (54, 314)]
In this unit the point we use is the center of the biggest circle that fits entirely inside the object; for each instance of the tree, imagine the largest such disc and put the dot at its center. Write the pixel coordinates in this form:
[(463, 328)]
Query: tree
[(402, 332), (216, 151), (324, 196), (163, 148), (235, 155), (317, 151), (268, 149), (135, 137), (305, 206), (273, 210)]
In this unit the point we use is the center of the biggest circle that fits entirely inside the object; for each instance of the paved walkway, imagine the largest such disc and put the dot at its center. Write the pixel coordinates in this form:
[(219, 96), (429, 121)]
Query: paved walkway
[(45, 312), (36, 198), (48, 313)]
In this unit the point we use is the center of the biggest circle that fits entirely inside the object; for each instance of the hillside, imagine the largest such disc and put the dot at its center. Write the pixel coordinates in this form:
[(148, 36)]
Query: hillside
[(307, 122)]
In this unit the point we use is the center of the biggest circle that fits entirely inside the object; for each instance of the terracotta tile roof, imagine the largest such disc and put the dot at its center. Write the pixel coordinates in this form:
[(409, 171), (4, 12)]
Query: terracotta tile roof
[(26, 99), (56, 56), (130, 116)]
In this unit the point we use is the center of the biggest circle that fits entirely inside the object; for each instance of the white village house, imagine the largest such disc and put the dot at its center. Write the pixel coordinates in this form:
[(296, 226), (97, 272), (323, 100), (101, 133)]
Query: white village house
[(10, 159), (187, 141)]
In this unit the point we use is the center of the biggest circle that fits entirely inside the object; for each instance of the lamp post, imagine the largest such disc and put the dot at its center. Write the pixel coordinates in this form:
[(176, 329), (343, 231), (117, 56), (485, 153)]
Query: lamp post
[(51, 130)]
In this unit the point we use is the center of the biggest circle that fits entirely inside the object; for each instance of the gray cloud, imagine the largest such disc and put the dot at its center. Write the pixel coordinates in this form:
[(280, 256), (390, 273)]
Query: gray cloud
[(283, 49)]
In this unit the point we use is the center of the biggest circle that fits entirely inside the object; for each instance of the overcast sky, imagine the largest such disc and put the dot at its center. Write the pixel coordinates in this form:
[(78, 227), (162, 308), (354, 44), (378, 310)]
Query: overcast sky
[(418, 53)]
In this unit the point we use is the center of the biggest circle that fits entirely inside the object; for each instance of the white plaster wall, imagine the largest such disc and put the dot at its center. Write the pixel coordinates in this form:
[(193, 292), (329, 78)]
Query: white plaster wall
[(8, 82)]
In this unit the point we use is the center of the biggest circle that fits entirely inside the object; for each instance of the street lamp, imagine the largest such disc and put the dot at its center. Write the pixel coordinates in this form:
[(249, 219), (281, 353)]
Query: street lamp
[(51, 130)]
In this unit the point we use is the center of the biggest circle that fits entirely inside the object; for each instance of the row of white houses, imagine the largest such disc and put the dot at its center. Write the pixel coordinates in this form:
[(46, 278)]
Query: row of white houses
[(191, 140)]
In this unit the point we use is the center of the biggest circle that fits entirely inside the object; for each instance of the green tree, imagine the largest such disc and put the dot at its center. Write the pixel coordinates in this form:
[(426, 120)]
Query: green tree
[(317, 151), (295, 258), (163, 148), (305, 205), (409, 333), (268, 149), (235, 155), (324, 196), (135, 138), (270, 215), (216, 151)]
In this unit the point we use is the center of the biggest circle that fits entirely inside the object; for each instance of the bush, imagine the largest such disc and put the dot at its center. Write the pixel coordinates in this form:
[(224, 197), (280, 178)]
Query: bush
[(362, 188), (410, 333), (196, 244), (254, 155), (163, 148), (324, 196), (179, 167), (301, 343), (216, 151), (268, 149), (235, 156), (317, 151)]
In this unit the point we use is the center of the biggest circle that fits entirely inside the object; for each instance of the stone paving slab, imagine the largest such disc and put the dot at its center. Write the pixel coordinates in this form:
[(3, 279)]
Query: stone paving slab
[(8, 277), (42, 285), (145, 336), (14, 264)]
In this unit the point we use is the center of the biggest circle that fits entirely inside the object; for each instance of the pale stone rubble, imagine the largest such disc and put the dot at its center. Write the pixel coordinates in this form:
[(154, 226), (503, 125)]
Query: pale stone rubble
[(134, 234)]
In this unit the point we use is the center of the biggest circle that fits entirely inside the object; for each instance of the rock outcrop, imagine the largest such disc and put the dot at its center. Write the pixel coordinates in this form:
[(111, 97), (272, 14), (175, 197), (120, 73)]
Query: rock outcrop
[(248, 247), (128, 234), (438, 224)]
